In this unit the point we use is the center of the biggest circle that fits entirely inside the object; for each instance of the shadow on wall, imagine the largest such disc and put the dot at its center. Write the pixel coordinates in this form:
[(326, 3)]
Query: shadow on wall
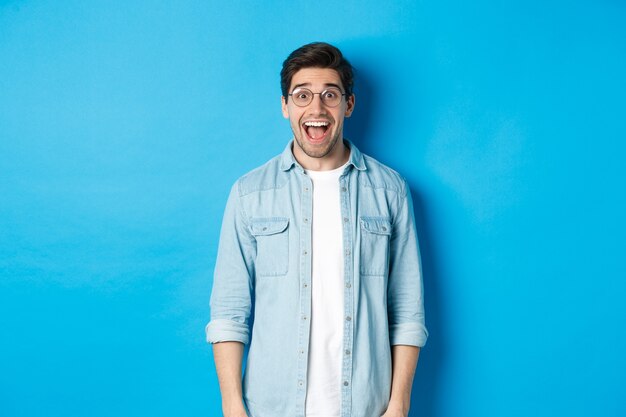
[(426, 384)]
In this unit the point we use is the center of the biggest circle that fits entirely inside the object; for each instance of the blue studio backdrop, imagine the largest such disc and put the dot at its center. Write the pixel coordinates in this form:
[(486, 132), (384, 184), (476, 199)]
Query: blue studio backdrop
[(123, 125)]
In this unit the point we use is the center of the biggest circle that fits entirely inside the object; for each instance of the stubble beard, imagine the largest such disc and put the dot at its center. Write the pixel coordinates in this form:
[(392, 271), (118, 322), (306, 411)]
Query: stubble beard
[(317, 152)]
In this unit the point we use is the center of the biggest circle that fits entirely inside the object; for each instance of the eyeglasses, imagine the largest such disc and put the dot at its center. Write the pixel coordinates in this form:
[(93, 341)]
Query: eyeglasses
[(302, 97)]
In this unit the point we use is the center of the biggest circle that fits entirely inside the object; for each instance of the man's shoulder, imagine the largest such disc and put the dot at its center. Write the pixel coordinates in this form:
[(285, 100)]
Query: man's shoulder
[(379, 175), (264, 177), (270, 176)]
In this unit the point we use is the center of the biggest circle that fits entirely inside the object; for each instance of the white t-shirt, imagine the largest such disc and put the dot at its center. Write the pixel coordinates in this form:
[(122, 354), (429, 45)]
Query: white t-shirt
[(323, 395)]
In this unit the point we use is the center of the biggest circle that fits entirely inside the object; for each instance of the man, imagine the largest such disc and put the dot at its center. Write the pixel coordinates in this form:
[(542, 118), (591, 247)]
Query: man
[(318, 267)]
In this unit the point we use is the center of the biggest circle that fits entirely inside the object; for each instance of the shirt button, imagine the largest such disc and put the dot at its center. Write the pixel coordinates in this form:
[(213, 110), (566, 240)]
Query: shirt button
[(345, 383), (304, 252), (306, 220), (306, 188), (303, 317), (347, 351), (345, 220), (305, 285), (384, 228), (300, 383), (348, 285), (348, 318), (265, 228), (344, 189), (347, 251)]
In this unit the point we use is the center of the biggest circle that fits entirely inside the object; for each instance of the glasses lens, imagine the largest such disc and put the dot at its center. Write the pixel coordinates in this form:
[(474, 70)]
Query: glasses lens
[(301, 96), (331, 96)]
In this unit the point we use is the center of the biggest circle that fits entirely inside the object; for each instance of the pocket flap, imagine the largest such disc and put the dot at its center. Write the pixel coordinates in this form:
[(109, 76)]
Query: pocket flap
[(378, 225), (268, 226)]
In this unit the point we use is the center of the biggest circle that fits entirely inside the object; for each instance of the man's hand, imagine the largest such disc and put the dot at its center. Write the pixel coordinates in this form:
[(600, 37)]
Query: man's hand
[(235, 409), (395, 412), (228, 357), (404, 360), (236, 413)]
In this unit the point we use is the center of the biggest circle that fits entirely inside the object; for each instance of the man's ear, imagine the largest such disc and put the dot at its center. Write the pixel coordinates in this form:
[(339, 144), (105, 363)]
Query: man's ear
[(283, 103), (350, 105)]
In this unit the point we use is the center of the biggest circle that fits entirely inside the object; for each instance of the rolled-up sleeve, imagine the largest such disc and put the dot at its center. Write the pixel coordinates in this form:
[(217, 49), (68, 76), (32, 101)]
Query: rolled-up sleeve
[(405, 290), (231, 297)]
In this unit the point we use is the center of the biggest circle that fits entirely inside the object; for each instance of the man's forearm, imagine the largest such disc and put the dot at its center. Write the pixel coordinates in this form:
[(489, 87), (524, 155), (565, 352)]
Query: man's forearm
[(228, 357), (404, 360)]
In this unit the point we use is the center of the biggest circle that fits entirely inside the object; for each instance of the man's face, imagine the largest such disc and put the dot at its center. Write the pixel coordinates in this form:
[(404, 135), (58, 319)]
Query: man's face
[(317, 141)]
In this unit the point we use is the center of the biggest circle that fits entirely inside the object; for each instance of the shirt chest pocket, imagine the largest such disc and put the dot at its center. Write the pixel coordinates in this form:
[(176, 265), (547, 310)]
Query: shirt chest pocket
[(375, 235), (272, 245)]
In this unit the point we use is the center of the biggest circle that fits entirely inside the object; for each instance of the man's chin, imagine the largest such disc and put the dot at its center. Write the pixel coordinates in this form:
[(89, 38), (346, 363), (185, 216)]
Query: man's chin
[(316, 150)]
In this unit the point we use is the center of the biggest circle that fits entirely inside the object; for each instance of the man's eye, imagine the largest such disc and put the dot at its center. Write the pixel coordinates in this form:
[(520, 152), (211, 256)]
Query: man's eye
[(330, 94)]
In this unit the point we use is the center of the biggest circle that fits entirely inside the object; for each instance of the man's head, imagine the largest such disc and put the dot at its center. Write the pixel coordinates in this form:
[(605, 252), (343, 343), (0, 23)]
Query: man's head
[(316, 84), (316, 55)]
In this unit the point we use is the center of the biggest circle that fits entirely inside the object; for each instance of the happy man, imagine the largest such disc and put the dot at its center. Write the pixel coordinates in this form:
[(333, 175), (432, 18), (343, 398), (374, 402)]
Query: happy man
[(318, 267)]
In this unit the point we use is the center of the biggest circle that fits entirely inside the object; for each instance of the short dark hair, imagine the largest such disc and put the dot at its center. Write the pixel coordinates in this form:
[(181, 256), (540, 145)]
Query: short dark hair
[(316, 55)]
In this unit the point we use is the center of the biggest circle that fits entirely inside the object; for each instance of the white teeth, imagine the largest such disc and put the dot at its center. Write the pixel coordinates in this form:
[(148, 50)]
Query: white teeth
[(316, 124)]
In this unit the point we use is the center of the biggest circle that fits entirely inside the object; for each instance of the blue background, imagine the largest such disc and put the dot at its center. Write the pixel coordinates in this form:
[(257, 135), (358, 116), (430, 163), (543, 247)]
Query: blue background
[(123, 125)]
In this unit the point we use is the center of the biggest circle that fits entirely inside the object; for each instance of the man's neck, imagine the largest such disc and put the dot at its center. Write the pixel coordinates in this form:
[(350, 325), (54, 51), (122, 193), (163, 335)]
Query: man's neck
[(338, 156)]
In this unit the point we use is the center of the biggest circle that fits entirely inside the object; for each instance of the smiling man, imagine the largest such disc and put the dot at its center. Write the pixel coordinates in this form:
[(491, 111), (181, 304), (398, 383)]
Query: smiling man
[(318, 267)]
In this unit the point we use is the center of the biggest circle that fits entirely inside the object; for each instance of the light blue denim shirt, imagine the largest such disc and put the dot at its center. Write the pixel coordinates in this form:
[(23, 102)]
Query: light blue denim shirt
[(262, 283)]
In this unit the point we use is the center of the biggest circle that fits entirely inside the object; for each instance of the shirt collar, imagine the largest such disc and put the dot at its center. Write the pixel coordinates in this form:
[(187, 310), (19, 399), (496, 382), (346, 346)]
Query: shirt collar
[(287, 160)]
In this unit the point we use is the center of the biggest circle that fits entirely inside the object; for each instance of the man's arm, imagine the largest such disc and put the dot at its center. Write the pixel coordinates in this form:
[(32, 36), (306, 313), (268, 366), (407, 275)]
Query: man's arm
[(405, 301), (228, 357), (405, 306), (404, 360), (231, 303)]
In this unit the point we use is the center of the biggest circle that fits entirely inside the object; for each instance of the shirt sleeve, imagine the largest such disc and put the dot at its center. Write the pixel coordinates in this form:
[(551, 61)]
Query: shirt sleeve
[(231, 297), (405, 300)]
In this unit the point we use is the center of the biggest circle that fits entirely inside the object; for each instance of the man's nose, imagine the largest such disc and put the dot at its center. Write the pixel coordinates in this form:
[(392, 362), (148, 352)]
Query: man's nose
[(317, 104)]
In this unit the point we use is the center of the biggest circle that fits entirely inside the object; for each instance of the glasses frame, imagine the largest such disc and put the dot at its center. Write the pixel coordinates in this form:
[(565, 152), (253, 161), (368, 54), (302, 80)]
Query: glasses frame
[(314, 94)]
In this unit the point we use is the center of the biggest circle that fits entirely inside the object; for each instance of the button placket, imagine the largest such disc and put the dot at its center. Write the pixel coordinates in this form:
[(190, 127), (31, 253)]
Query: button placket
[(305, 293), (346, 214)]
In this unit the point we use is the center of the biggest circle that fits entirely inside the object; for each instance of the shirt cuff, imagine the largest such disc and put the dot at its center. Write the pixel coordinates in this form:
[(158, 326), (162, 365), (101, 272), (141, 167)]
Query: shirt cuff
[(411, 334), (224, 330)]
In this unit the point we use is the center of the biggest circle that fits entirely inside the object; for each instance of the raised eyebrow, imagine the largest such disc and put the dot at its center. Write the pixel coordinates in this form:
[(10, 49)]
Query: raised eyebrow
[(333, 85), (301, 85), (309, 85)]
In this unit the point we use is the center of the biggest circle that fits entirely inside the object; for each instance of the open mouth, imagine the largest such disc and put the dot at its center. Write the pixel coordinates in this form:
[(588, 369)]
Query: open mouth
[(316, 131)]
